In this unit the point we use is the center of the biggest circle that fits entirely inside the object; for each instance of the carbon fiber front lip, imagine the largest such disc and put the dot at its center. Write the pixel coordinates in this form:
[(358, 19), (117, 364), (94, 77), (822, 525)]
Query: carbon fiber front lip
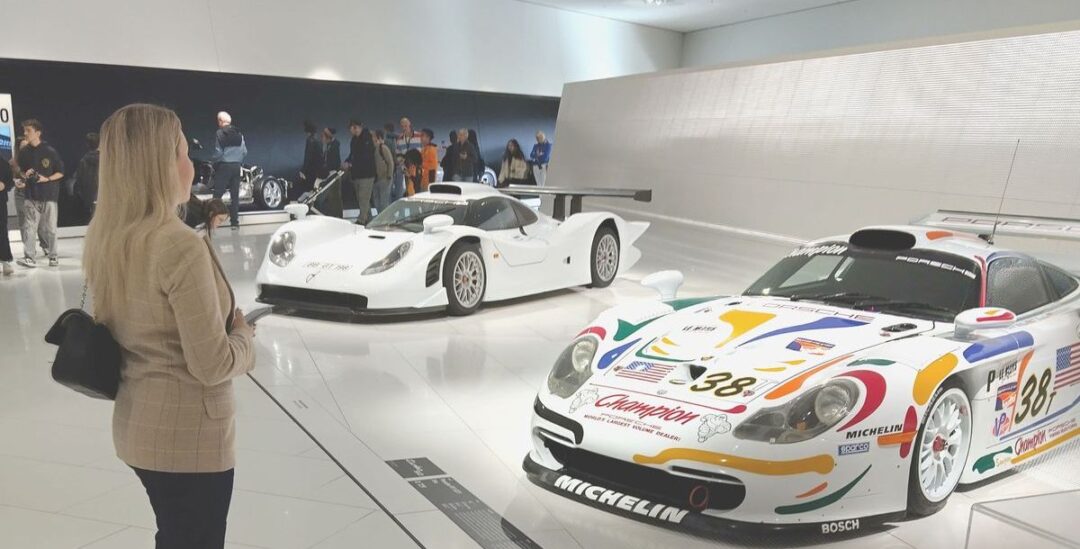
[(345, 314)]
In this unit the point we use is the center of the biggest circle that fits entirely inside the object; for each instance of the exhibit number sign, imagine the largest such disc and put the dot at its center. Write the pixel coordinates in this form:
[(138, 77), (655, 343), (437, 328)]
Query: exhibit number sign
[(7, 126), (7, 138)]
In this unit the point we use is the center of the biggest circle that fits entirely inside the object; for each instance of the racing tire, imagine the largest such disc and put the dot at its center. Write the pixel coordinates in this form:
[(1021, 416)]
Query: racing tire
[(270, 193), (604, 257), (940, 450), (465, 279)]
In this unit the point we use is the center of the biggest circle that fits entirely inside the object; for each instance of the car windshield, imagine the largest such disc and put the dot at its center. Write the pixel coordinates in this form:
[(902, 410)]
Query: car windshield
[(409, 214), (917, 283)]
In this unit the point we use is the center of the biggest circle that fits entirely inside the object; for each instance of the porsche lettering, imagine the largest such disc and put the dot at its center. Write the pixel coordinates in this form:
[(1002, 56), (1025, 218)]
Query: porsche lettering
[(820, 310), (936, 264), (620, 500)]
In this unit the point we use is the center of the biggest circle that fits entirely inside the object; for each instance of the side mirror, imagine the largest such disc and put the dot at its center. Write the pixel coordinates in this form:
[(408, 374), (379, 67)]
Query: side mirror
[(665, 282), (297, 211), (983, 318), (433, 223)]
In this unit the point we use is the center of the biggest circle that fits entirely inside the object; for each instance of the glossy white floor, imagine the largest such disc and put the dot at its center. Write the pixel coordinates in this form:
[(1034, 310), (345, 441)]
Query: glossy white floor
[(455, 390)]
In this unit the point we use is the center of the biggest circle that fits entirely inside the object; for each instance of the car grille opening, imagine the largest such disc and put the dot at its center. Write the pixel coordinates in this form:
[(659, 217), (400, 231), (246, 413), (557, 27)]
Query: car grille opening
[(307, 298), (557, 437), (723, 494), (432, 275)]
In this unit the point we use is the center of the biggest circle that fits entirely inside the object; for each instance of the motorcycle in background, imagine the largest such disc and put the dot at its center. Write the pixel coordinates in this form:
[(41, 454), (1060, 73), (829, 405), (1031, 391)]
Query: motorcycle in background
[(264, 192)]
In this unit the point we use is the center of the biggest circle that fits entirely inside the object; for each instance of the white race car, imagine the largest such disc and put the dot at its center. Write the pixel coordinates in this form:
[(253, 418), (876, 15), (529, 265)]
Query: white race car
[(861, 379), (455, 247)]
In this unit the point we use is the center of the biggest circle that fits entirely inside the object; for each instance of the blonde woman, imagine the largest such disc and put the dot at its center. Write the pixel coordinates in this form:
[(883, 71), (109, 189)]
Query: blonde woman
[(161, 291)]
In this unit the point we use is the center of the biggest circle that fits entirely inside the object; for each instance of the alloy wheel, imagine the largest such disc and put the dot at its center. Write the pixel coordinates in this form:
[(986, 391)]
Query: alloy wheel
[(607, 257), (468, 279), (943, 447)]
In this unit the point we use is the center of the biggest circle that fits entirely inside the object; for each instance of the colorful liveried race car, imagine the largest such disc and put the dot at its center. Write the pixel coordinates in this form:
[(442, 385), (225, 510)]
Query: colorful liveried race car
[(455, 247), (860, 380)]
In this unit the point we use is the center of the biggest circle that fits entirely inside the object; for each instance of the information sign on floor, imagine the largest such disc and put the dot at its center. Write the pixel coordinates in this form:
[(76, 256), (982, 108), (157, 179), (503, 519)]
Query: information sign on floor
[(474, 517)]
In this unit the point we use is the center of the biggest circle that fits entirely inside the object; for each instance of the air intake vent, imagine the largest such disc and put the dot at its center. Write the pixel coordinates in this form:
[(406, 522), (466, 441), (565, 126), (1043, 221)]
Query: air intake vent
[(883, 239), (444, 189), (432, 276)]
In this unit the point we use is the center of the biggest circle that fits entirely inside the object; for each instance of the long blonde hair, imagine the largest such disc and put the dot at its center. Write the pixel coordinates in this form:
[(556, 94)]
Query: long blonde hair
[(137, 195)]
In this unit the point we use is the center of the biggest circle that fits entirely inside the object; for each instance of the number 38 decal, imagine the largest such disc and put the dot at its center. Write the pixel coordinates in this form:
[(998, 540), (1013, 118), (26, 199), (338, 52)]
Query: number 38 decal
[(722, 384), (1035, 396)]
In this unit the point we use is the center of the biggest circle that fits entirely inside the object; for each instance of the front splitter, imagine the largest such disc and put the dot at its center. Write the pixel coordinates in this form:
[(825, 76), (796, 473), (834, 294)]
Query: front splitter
[(639, 508)]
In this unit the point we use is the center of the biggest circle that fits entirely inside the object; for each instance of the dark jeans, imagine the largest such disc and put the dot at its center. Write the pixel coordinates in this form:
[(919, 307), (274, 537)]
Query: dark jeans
[(191, 508), (227, 177), (5, 244)]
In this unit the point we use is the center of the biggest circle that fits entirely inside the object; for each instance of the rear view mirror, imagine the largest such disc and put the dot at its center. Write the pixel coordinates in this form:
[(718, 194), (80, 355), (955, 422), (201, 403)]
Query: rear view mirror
[(667, 283), (983, 318), (433, 223)]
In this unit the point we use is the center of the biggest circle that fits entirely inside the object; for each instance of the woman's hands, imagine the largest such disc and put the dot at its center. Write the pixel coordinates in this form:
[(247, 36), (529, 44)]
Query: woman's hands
[(239, 322)]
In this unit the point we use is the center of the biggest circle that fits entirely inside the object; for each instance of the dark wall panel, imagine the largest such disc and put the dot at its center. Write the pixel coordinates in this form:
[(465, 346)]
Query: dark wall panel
[(72, 99)]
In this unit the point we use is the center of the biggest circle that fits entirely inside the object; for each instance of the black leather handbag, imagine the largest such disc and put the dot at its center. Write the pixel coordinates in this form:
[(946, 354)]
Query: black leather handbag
[(88, 358)]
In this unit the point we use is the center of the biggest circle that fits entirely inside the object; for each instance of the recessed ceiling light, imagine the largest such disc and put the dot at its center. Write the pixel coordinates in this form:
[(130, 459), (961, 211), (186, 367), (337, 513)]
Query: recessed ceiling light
[(656, 2)]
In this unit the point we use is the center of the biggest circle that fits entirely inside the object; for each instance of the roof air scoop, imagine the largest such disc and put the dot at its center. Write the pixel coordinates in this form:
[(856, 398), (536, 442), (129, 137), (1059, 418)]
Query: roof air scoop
[(438, 188), (883, 239)]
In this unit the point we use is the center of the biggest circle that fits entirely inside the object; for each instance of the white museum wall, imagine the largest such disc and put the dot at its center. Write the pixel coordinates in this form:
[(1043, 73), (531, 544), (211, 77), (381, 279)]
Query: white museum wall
[(815, 147), (867, 25), (501, 46)]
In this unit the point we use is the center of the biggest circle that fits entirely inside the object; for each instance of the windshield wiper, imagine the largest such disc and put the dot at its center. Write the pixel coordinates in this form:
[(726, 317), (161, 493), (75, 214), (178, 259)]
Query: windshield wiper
[(836, 296), (908, 305), (858, 300)]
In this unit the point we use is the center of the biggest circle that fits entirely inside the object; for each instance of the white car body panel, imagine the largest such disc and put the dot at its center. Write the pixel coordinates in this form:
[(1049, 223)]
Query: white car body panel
[(549, 255), (854, 470)]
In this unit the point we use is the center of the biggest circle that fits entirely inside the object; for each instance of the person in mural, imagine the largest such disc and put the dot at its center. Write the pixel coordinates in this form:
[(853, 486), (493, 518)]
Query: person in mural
[(465, 158), (540, 157), (515, 168), (86, 177), (361, 166), (42, 171), (384, 172), (309, 170), (429, 153), (414, 163), (448, 157), (480, 165), (407, 139), (7, 183), (398, 188), (229, 153), (329, 203)]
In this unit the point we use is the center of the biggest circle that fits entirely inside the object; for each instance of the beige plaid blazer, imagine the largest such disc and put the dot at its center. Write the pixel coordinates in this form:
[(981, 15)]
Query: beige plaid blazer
[(175, 408)]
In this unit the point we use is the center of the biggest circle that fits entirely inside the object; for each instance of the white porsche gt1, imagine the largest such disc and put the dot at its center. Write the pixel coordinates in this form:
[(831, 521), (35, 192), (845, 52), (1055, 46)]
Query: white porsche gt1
[(455, 247), (862, 378)]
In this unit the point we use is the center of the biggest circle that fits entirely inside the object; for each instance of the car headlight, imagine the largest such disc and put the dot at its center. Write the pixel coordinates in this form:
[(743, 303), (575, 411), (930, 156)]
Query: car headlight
[(804, 417), (283, 248), (391, 259), (573, 367)]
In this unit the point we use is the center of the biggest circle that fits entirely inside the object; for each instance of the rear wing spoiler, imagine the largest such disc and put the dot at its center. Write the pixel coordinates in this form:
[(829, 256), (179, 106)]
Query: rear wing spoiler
[(576, 196), (983, 224)]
